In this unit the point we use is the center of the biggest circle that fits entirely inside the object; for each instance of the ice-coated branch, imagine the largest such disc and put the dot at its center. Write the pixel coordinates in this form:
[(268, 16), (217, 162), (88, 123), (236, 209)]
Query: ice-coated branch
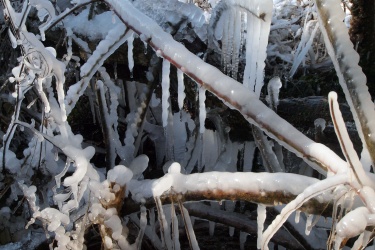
[(350, 74), (115, 38), (345, 142), (266, 188), (307, 194), (234, 94)]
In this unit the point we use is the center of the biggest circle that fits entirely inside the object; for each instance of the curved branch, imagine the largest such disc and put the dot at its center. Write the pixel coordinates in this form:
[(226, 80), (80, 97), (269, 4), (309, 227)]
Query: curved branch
[(267, 188)]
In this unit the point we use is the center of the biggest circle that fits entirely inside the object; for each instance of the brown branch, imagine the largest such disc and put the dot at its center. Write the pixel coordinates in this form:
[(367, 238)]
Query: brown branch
[(313, 206)]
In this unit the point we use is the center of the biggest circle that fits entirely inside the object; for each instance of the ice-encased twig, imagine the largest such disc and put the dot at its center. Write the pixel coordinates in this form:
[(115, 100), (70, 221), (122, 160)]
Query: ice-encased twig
[(115, 38), (267, 188), (346, 144), (351, 77), (307, 194)]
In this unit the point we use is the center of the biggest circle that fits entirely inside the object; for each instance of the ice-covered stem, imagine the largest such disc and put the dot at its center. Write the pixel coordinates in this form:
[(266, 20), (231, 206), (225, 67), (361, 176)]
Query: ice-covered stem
[(311, 191), (114, 39), (234, 94), (270, 160), (107, 200), (106, 126), (7, 138), (351, 78), (266, 188), (346, 144)]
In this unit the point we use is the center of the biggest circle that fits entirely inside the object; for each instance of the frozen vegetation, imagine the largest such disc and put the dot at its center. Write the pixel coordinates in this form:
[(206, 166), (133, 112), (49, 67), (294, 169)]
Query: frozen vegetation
[(93, 146)]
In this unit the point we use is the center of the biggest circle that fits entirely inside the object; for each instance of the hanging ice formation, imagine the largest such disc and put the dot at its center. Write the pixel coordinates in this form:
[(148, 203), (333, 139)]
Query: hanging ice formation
[(202, 109), (181, 88), (235, 22), (165, 91), (130, 54)]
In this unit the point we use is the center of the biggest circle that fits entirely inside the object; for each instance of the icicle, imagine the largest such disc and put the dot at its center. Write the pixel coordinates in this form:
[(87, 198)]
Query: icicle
[(145, 44), (211, 230), (165, 232), (303, 46), (12, 38), (298, 214), (231, 231), (202, 109), (189, 228), (249, 149), (260, 221), (130, 54), (69, 34), (236, 43), (308, 224), (273, 89), (243, 237), (181, 88), (176, 241), (165, 91)]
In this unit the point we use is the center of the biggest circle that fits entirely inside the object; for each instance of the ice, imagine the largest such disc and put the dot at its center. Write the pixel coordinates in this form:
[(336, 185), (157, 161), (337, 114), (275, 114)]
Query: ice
[(189, 229), (139, 165), (120, 174), (165, 91), (260, 222), (114, 39), (353, 223), (273, 89), (13, 39), (243, 238), (345, 142), (309, 192), (108, 242), (309, 221), (344, 57), (320, 124), (298, 214), (304, 45), (165, 229), (202, 109), (228, 90), (130, 54), (181, 88), (175, 231)]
